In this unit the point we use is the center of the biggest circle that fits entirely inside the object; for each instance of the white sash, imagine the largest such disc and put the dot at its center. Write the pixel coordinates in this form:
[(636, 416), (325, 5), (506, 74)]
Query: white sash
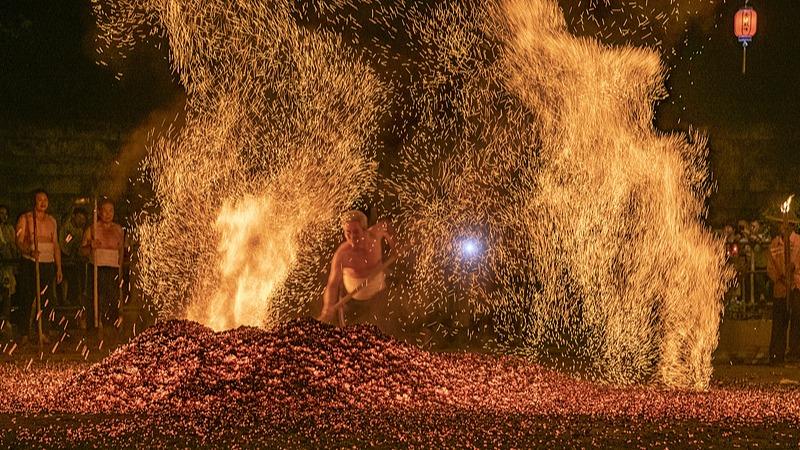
[(46, 252), (107, 257), (370, 286)]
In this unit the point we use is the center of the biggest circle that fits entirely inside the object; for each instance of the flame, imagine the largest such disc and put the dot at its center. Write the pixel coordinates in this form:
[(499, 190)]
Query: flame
[(256, 252), (786, 205)]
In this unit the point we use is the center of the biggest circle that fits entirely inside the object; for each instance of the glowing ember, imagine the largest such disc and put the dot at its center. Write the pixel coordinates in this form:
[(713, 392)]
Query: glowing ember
[(311, 385)]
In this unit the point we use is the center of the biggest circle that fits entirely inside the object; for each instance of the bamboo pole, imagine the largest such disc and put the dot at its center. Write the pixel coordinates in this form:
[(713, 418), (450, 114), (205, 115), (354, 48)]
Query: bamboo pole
[(120, 280), (787, 260), (95, 293), (38, 281)]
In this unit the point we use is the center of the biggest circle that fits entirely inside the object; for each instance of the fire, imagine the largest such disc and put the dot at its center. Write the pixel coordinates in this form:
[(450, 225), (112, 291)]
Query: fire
[(787, 205), (255, 257)]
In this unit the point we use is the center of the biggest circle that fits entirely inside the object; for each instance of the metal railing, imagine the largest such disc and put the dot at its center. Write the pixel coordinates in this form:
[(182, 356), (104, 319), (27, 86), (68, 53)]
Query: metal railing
[(750, 297)]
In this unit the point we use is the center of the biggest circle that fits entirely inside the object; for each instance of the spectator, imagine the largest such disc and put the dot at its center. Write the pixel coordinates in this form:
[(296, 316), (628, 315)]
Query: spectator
[(69, 238), (8, 252), (743, 232), (103, 244), (731, 242), (758, 233), (745, 264), (786, 302), (42, 247), (729, 234)]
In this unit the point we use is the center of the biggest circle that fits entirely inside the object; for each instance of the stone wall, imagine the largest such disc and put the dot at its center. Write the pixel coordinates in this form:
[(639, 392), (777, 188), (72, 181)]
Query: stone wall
[(755, 170), (68, 162)]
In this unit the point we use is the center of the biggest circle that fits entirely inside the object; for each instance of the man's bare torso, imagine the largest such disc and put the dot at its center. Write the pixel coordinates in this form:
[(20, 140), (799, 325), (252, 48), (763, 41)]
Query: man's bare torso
[(360, 262), (110, 235), (45, 229)]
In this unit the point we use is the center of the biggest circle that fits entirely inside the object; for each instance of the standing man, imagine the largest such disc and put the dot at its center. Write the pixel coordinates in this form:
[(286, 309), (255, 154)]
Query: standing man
[(103, 246), (8, 281), (357, 266), (45, 247), (786, 302)]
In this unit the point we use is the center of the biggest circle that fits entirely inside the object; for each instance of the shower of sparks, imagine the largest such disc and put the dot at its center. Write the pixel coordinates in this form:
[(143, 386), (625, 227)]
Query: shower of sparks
[(652, 23), (502, 124), (277, 141), (590, 217)]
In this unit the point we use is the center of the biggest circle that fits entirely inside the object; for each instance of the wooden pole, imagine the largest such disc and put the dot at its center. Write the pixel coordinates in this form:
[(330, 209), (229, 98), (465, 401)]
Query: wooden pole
[(787, 258), (37, 277), (744, 59), (120, 280), (340, 313), (95, 293)]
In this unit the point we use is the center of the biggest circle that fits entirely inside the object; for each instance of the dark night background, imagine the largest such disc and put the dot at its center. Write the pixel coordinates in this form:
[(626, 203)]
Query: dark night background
[(50, 81)]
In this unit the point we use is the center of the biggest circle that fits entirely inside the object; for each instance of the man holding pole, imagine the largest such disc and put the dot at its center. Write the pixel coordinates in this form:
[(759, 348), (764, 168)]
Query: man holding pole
[(782, 270), (103, 244), (37, 240), (358, 267)]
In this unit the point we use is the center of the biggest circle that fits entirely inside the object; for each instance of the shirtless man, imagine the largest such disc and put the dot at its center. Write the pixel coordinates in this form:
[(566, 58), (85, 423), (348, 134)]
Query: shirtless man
[(8, 280), (106, 250), (48, 252), (357, 265)]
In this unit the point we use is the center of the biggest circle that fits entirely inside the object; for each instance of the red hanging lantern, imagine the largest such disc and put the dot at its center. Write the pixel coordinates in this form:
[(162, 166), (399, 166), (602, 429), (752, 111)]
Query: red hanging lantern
[(745, 24)]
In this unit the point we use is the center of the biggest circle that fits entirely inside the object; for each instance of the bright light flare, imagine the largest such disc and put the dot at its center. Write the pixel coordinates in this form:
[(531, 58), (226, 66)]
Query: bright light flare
[(470, 248)]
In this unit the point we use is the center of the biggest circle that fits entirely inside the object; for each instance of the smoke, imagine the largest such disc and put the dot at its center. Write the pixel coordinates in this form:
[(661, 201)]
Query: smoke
[(135, 146)]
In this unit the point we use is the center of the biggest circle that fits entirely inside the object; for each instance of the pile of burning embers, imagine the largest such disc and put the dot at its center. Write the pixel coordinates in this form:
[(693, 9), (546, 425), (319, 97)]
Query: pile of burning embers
[(307, 384)]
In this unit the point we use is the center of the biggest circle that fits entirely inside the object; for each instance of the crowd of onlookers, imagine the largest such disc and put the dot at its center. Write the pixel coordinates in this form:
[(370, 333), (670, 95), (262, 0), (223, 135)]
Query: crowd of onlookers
[(767, 275), (747, 248), (57, 257)]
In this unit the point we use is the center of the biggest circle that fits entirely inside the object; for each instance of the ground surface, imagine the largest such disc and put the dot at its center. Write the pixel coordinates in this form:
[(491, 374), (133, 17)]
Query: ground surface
[(308, 385)]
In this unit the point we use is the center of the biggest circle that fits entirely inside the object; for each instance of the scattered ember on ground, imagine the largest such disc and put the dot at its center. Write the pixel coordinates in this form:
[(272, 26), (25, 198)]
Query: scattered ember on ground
[(309, 384)]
